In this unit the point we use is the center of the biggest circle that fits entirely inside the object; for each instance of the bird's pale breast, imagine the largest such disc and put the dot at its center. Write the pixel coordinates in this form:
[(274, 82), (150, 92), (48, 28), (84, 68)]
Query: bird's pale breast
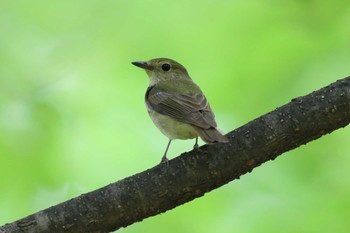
[(172, 128)]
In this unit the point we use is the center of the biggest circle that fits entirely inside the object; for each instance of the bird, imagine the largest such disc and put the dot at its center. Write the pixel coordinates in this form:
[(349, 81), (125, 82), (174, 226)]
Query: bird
[(176, 105)]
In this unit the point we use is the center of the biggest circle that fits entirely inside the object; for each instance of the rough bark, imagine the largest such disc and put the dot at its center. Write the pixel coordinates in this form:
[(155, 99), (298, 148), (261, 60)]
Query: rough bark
[(192, 174)]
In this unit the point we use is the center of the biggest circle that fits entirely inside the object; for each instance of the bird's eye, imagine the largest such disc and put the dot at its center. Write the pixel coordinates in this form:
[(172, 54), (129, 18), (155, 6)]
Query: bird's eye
[(166, 67)]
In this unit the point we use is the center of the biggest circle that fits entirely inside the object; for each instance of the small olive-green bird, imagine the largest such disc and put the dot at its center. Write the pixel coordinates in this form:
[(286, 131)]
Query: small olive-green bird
[(176, 105)]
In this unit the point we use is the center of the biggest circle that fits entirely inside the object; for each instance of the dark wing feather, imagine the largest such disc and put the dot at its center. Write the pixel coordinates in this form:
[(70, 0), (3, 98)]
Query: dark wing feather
[(188, 108)]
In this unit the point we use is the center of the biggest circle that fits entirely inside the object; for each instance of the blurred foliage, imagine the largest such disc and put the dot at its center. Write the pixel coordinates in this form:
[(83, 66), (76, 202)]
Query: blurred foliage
[(72, 116)]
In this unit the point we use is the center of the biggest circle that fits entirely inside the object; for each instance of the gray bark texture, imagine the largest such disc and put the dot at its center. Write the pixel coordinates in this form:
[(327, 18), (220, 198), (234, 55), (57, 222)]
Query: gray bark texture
[(194, 173)]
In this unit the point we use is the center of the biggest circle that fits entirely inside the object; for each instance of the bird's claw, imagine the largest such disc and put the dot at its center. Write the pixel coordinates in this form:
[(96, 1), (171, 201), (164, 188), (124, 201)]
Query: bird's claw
[(165, 160)]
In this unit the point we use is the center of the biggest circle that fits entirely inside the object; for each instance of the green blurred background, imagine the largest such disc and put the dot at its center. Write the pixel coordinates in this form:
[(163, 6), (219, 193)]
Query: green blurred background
[(72, 116)]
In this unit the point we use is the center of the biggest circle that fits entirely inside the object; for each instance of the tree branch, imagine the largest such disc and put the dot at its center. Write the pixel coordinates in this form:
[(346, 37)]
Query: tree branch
[(194, 173)]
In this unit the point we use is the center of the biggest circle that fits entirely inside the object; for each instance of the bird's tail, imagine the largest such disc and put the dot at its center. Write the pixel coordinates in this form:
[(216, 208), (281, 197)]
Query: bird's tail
[(211, 135)]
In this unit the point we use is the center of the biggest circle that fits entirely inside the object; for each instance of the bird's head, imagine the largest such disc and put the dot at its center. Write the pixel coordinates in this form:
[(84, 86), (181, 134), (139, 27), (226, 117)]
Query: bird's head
[(160, 69)]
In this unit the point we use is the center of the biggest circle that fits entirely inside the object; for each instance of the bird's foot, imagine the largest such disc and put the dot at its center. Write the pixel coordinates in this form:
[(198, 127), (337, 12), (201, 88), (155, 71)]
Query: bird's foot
[(196, 147), (165, 160)]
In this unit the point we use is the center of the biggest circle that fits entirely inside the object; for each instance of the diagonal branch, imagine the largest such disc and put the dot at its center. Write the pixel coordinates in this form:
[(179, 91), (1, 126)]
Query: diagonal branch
[(192, 174)]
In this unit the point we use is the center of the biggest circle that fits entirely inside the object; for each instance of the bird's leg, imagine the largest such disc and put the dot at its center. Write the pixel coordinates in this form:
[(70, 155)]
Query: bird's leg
[(196, 147), (164, 158)]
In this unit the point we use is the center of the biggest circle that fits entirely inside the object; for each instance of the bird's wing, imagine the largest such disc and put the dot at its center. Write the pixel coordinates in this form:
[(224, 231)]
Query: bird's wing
[(188, 108)]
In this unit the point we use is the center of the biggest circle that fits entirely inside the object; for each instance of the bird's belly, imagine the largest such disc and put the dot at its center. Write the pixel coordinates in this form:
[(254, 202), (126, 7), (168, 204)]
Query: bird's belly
[(172, 128)]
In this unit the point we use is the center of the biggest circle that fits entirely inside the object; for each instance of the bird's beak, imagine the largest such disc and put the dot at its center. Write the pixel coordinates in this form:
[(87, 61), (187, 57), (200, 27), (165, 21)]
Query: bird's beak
[(143, 65)]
